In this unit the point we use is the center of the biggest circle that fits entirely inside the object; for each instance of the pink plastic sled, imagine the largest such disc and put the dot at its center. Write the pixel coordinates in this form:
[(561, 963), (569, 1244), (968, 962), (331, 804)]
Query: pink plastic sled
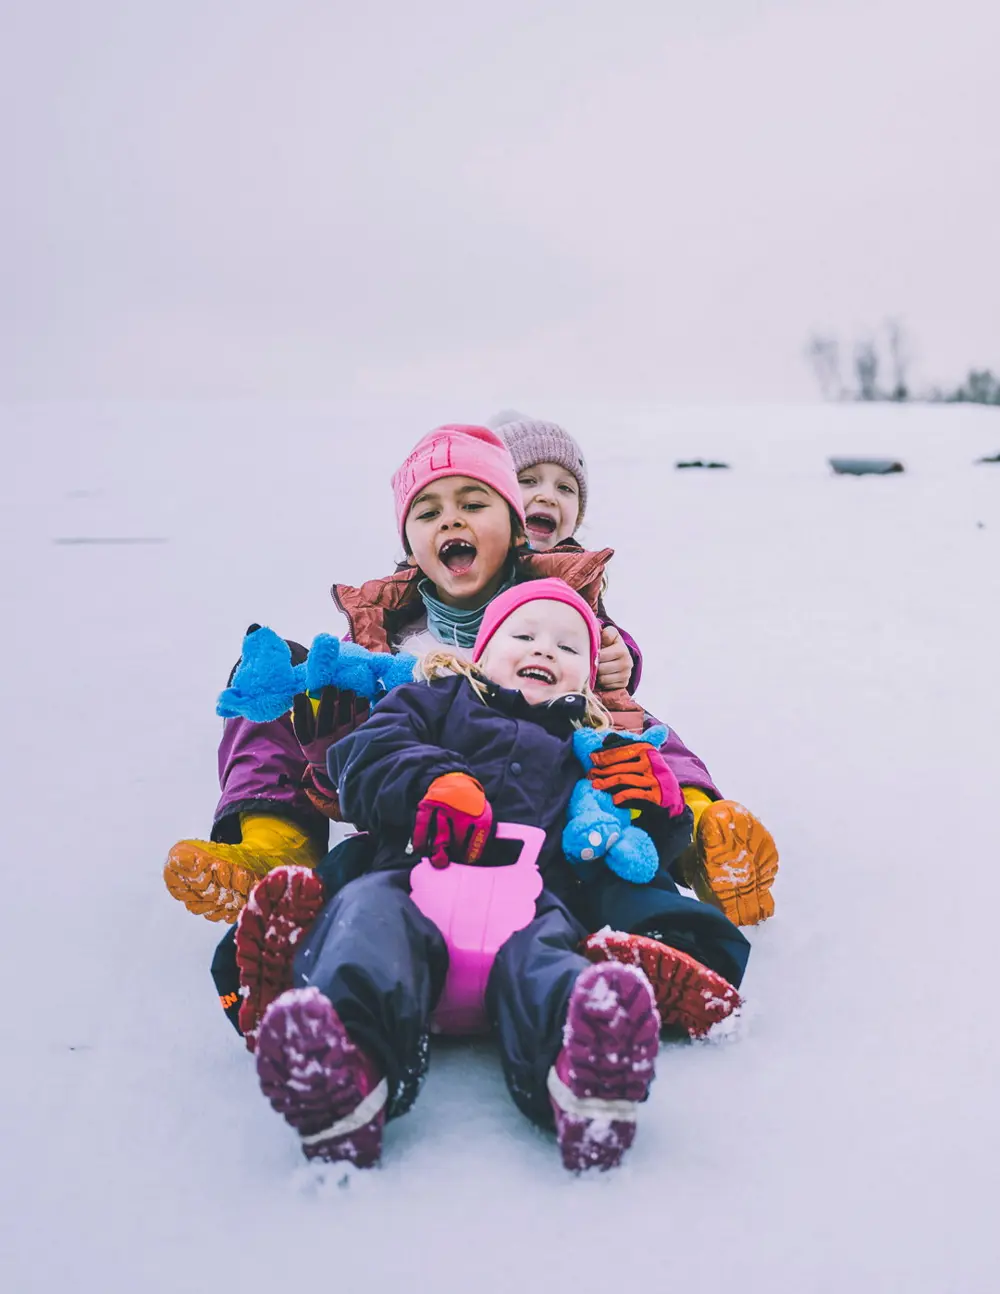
[(477, 909)]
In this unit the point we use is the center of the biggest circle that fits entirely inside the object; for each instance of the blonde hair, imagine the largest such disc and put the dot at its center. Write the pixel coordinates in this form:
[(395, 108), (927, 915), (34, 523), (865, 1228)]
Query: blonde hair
[(442, 662)]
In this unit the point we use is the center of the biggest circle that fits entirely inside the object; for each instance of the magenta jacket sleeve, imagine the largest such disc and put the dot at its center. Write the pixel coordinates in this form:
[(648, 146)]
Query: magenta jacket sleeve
[(261, 769), (633, 650), (684, 763)]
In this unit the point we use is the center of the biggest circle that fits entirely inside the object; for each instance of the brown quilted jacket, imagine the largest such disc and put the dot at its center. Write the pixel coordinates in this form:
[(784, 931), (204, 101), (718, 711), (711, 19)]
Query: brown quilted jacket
[(379, 611)]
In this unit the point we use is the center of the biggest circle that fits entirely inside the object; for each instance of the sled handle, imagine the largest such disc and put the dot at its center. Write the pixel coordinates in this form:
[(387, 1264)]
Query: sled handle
[(532, 839)]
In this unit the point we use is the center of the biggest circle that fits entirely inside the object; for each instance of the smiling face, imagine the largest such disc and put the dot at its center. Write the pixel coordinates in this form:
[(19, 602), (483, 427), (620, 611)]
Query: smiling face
[(459, 534), (551, 497), (541, 650)]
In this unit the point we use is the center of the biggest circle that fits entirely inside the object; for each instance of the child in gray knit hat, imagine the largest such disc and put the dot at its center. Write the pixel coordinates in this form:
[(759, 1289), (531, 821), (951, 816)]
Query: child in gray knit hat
[(553, 476)]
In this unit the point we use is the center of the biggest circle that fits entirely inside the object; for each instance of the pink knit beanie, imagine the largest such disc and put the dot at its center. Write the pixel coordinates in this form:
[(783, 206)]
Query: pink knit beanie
[(456, 450), (548, 590), (532, 441)]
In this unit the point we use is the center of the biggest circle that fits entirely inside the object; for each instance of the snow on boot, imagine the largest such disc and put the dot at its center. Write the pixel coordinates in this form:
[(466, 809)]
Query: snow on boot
[(734, 864), (688, 995), (214, 880), (325, 1086), (605, 1067), (281, 908)]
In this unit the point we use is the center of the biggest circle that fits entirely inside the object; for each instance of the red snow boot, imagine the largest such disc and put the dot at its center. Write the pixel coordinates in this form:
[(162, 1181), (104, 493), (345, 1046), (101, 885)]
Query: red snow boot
[(688, 995), (281, 908)]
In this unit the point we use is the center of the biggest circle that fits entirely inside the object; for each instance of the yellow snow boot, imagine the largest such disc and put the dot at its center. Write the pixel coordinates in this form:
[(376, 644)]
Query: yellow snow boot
[(214, 880), (734, 860)]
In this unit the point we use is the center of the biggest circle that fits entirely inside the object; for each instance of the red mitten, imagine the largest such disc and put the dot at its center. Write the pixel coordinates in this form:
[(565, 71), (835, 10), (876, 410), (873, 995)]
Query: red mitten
[(635, 773), (320, 721), (454, 821)]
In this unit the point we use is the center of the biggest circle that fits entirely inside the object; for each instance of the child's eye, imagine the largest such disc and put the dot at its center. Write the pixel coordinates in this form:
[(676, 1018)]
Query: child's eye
[(474, 507), (567, 489), (526, 480), (429, 515), (572, 650), (525, 638)]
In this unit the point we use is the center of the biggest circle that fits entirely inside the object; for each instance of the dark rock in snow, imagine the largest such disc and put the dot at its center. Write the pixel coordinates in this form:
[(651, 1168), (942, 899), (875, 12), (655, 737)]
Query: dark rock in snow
[(699, 462), (865, 466)]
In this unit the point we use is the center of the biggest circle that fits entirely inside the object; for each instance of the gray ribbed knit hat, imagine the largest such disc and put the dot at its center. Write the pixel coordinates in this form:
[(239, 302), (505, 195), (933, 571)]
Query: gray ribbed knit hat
[(531, 441)]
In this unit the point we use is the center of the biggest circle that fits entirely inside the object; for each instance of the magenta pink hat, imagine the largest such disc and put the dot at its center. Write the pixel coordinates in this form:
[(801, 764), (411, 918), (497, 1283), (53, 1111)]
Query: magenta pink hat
[(549, 590), (456, 450)]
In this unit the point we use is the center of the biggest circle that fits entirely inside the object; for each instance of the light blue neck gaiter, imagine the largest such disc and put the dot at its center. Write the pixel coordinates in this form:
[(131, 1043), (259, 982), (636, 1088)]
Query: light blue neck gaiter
[(452, 626)]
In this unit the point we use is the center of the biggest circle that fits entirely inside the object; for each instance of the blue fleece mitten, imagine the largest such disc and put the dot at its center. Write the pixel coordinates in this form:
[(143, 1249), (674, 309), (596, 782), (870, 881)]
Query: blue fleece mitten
[(393, 670), (345, 665), (265, 680)]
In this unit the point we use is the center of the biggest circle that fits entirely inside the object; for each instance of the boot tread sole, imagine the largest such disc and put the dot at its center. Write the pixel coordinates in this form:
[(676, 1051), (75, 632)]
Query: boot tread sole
[(689, 995), (736, 863)]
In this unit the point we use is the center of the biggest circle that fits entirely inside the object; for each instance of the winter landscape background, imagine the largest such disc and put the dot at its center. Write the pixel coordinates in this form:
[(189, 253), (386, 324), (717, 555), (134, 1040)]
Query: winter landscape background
[(828, 644), (514, 204), (248, 255)]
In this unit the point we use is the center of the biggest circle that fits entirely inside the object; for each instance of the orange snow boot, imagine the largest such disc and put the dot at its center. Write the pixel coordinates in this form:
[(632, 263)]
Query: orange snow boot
[(213, 880), (733, 863)]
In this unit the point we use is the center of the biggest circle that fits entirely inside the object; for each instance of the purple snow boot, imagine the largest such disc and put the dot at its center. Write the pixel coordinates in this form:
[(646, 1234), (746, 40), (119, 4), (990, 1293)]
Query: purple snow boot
[(325, 1086), (605, 1066)]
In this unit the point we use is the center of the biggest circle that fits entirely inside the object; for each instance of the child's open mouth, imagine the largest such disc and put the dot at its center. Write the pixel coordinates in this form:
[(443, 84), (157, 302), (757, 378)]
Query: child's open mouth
[(458, 555), (541, 525), (538, 672)]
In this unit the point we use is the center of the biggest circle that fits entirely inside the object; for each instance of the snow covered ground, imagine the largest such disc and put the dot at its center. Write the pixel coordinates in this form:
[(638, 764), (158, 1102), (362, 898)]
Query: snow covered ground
[(829, 645)]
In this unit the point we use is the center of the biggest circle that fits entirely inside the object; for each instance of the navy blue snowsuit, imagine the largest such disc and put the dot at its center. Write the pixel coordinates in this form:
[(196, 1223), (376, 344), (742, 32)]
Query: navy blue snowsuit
[(382, 963)]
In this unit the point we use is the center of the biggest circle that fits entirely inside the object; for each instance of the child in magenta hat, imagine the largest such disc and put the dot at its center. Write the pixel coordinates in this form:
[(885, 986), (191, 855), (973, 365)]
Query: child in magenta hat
[(439, 763), (552, 590)]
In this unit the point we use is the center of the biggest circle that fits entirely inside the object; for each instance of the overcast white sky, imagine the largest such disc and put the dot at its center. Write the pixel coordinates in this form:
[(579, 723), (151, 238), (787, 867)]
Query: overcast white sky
[(510, 202)]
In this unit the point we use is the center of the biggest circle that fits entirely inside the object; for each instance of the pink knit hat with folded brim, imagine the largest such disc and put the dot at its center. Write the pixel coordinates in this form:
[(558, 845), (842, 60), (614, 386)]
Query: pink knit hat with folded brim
[(550, 590), (475, 452)]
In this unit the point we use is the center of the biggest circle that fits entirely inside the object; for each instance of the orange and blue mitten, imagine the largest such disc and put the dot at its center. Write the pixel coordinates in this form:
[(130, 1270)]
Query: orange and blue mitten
[(626, 778), (635, 775)]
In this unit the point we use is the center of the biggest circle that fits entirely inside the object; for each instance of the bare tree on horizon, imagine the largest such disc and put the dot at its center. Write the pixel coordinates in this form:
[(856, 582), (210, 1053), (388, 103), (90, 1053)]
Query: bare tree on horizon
[(824, 356), (900, 357), (866, 369)]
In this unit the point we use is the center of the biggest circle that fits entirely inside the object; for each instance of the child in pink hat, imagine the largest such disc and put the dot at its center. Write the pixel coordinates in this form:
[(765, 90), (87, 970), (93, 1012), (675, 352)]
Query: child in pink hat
[(461, 521), (456, 450), (459, 513)]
